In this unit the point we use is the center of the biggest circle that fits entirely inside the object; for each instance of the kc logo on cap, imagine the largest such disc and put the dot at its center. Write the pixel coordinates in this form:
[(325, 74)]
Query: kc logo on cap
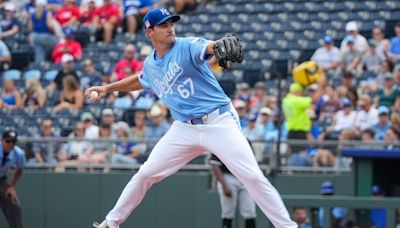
[(158, 16)]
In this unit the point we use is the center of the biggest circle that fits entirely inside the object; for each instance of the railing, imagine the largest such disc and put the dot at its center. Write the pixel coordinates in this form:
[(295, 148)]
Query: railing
[(361, 204), (287, 160)]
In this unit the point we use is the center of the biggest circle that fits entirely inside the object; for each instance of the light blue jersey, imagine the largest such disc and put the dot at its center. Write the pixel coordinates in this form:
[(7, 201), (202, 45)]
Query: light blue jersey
[(183, 80)]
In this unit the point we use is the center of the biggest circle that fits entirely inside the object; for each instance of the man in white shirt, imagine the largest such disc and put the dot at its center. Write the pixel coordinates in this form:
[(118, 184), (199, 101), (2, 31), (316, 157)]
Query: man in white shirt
[(360, 42), (91, 130), (327, 56), (367, 116)]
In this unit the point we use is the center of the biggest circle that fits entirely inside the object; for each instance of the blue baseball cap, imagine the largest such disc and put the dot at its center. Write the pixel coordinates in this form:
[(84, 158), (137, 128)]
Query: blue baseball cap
[(326, 188), (328, 39), (376, 189), (158, 16), (349, 39), (383, 110), (346, 102), (69, 32)]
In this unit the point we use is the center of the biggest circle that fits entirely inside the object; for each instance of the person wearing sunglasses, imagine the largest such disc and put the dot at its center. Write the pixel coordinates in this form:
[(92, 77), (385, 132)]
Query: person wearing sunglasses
[(11, 156)]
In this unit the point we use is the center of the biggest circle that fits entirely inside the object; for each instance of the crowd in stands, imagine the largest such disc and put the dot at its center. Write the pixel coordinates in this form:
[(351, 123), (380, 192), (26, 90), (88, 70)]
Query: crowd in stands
[(358, 99)]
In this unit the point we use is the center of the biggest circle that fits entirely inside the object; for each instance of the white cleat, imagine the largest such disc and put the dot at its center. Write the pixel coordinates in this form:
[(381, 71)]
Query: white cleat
[(102, 225)]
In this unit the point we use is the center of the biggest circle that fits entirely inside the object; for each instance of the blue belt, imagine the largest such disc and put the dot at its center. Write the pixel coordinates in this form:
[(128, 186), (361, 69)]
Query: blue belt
[(207, 118)]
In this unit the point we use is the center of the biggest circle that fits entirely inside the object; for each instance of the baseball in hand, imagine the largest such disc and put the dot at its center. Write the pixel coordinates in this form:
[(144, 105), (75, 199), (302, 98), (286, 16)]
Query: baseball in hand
[(93, 96)]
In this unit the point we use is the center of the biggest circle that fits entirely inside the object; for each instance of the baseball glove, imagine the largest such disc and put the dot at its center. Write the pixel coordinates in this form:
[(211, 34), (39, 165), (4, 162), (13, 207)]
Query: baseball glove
[(228, 49)]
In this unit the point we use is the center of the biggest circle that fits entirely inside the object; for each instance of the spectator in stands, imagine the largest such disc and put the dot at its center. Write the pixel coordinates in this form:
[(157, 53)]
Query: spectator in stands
[(351, 57), (106, 76), (265, 115), (394, 50), (126, 151), (243, 92), (386, 67), (28, 9), (396, 106), (327, 56), (360, 43), (128, 65), (90, 76), (241, 109), (107, 116), (295, 107), (339, 214), (368, 137), (10, 96), (41, 27), (34, 96), (87, 15), (260, 97), (272, 127), (71, 96), (145, 51), (139, 128), (9, 24), (68, 15), (300, 217), (43, 149), (67, 46), (182, 6), (348, 88), (387, 95), (102, 149), (383, 124), (105, 20), (378, 216), (253, 131), (330, 105), (5, 56), (391, 139), (54, 5), (344, 118), (134, 12), (91, 130), (395, 119), (396, 73), (76, 149), (371, 60), (382, 44), (367, 116), (68, 68), (157, 127)]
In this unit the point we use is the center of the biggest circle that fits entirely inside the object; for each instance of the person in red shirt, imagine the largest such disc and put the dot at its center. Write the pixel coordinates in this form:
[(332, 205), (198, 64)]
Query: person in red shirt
[(128, 65), (68, 15), (87, 15), (105, 20), (68, 46)]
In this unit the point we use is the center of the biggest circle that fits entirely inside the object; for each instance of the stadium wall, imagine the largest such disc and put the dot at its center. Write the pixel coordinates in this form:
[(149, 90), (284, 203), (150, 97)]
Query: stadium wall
[(185, 200)]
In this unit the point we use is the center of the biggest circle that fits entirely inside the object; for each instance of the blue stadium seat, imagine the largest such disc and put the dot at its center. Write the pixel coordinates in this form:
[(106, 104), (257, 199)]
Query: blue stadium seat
[(50, 75), (32, 74), (12, 74)]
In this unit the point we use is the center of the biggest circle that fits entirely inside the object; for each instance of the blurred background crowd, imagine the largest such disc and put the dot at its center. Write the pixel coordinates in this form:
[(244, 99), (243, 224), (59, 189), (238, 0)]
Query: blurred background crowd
[(51, 51)]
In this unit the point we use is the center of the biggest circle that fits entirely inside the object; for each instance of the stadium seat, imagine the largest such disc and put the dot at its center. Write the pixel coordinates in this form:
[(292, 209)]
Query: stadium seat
[(50, 75), (12, 74), (32, 74)]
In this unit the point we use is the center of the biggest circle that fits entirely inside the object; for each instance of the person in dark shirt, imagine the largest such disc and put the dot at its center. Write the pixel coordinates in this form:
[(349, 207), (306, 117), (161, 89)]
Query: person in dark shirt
[(68, 68)]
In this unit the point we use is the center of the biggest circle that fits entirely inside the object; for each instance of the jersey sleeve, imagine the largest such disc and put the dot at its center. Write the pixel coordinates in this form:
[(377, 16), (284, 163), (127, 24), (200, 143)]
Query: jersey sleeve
[(21, 159), (143, 80), (198, 48)]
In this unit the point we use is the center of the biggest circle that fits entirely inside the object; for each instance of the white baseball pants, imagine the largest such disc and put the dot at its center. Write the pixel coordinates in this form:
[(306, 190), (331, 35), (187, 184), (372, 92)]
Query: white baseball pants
[(183, 142)]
